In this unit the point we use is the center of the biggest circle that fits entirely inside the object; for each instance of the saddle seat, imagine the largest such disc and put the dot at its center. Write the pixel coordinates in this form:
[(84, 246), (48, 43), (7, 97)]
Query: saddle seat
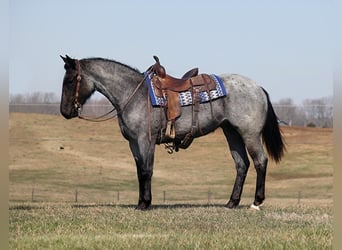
[(169, 87), (189, 80), (190, 73), (184, 84)]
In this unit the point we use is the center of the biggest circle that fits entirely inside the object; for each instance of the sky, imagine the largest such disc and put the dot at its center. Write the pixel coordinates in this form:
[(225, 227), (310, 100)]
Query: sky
[(285, 46)]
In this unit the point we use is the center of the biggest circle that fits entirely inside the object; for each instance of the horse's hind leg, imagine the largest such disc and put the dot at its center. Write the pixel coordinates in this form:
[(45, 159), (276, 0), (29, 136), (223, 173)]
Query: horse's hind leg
[(239, 154), (260, 161)]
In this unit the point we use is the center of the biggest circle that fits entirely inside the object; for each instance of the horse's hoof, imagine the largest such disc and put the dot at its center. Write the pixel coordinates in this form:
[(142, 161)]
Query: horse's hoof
[(143, 206), (256, 207), (231, 204)]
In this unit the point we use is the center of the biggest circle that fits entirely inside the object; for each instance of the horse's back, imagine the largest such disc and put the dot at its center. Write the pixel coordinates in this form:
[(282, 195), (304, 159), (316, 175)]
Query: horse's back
[(246, 103)]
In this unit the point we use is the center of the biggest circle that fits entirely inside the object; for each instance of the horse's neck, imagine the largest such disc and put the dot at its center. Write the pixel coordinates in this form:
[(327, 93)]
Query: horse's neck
[(116, 83)]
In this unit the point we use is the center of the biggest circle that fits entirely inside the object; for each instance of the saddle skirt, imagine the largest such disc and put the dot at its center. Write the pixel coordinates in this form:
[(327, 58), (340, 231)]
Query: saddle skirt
[(185, 97)]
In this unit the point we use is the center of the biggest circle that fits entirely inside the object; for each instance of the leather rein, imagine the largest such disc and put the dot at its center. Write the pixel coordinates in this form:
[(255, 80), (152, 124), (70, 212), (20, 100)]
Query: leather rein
[(103, 117)]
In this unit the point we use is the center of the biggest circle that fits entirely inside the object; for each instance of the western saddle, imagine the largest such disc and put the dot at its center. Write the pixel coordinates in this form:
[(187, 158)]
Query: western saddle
[(169, 87)]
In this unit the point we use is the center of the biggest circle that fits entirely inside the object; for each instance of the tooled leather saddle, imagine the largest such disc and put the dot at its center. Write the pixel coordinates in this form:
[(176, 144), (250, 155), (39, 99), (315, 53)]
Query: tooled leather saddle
[(169, 87)]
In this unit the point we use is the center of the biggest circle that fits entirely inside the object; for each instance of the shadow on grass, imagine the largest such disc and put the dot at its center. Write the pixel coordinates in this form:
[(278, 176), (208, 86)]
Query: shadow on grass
[(128, 206), (25, 207), (159, 206)]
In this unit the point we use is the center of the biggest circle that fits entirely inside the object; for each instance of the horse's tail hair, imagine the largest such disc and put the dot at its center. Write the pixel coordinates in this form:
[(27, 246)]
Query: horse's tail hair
[(272, 135)]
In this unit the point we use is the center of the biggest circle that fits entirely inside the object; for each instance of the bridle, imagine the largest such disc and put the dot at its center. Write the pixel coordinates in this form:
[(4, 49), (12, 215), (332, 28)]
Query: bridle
[(103, 117), (77, 104)]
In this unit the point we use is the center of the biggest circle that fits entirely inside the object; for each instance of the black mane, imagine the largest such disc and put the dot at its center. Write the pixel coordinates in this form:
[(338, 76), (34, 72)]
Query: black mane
[(113, 61)]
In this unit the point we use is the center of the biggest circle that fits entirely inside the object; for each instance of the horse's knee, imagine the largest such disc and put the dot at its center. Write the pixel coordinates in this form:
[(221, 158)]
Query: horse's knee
[(146, 174)]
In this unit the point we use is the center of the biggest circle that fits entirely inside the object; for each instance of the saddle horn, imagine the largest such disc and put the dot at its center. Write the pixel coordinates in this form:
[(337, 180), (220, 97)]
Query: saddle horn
[(158, 68), (157, 59)]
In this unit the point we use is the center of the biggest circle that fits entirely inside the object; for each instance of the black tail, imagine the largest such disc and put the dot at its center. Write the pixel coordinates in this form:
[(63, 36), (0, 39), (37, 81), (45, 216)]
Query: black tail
[(271, 134)]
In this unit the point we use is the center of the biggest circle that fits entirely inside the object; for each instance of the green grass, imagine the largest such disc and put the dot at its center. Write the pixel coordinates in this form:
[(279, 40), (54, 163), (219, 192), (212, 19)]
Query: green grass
[(96, 226)]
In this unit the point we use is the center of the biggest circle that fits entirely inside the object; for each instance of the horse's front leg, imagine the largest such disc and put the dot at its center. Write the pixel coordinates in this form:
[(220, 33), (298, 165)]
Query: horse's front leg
[(143, 152)]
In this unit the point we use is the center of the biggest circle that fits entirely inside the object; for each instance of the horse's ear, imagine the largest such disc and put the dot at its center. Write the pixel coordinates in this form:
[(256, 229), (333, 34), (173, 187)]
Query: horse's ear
[(63, 58), (69, 62)]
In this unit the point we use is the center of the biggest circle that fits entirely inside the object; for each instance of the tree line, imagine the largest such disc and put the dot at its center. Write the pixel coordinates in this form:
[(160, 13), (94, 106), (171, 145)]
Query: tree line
[(317, 112)]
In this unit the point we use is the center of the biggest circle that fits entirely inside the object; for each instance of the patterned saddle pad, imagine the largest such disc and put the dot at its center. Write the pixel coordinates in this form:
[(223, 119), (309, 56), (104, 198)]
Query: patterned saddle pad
[(186, 97)]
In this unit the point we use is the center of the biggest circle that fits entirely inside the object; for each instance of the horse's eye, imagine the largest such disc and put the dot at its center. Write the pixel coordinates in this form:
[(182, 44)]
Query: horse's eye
[(69, 79), (67, 83)]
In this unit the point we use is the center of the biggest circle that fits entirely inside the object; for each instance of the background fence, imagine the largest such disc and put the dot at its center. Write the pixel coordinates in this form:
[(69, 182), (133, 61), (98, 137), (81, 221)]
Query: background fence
[(165, 197)]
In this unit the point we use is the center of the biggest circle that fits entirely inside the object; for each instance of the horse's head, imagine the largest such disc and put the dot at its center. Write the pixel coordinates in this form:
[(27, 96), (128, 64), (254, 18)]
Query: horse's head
[(77, 88)]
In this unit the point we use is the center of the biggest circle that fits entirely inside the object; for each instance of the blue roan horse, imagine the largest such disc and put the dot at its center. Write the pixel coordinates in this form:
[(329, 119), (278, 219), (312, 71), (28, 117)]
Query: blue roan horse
[(245, 115)]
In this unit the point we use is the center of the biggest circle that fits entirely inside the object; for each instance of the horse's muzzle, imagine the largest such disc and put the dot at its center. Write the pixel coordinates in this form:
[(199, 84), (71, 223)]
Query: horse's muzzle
[(71, 113)]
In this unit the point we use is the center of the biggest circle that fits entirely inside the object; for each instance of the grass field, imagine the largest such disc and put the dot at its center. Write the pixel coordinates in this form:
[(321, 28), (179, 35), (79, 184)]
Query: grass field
[(51, 158), (66, 226)]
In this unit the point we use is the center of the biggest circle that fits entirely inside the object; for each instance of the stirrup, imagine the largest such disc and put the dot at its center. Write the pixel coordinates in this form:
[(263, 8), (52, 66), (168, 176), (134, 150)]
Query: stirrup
[(170, 130)]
